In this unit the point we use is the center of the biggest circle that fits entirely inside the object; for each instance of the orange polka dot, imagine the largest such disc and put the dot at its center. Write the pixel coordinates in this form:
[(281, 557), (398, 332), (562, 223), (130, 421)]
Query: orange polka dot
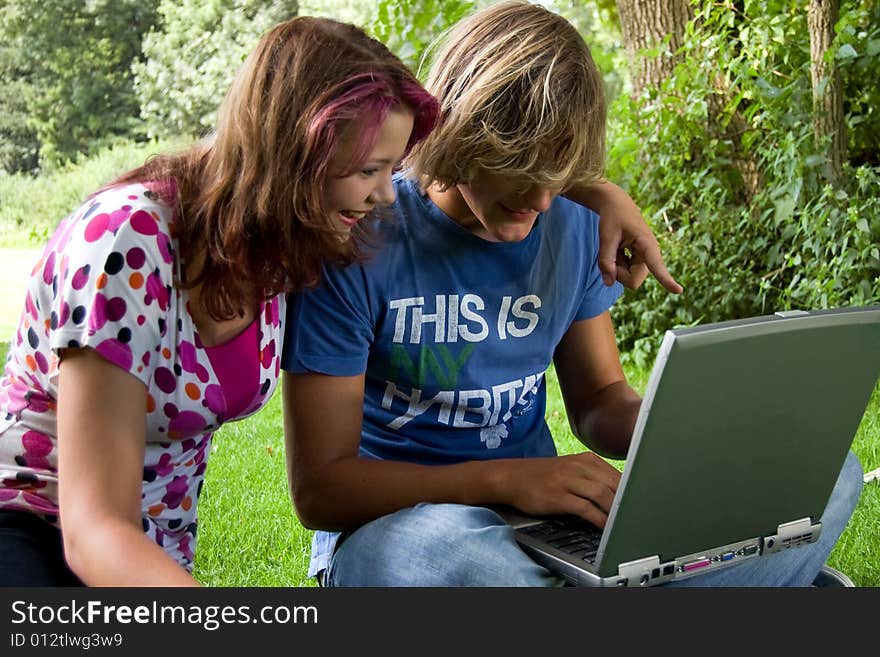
[(166, 352), (136, 280), (156, 509), (192, 391), (187, 503), (31, 363), (151, 403), (101, 281)]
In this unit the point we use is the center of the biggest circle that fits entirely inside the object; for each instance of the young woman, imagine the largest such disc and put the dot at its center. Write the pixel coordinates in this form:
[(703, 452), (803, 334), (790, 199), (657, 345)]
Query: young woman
[(155, 313)]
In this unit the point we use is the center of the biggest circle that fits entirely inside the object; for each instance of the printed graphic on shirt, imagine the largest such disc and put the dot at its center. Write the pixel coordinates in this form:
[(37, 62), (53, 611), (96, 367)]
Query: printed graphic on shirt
[(449, 329)]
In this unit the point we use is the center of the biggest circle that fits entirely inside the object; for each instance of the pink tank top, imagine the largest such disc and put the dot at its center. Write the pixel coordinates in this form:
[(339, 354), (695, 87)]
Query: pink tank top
[(237, 366)]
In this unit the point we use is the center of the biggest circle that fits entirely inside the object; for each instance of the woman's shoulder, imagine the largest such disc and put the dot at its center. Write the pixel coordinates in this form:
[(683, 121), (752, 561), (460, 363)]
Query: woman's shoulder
[(136, 214), (122, 202)]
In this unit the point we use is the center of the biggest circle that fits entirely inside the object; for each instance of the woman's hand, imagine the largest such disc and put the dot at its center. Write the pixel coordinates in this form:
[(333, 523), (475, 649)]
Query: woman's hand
[(628, 249)]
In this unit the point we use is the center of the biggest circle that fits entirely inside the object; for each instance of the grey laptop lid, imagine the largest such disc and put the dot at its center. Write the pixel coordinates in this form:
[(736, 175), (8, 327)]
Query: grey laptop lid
[(744, 426)]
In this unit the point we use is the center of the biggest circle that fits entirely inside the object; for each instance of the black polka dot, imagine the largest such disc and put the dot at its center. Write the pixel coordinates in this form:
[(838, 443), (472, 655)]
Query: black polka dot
[(124, 335), (114, 263), (265, 387), (53, 320), (78, 314), (33, 340), (149, 474), (175, 523), (177, 369), (73, 344)]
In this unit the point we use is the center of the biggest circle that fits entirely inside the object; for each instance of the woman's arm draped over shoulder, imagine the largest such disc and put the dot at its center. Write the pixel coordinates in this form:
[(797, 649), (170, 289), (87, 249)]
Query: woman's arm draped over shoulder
[(621, 228)]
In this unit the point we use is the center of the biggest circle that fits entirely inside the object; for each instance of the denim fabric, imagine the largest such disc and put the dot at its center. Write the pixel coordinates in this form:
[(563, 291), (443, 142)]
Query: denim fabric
[(455, 545)]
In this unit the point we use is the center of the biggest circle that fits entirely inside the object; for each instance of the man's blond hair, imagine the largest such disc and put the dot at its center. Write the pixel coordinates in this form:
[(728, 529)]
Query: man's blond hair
[(519, 96)]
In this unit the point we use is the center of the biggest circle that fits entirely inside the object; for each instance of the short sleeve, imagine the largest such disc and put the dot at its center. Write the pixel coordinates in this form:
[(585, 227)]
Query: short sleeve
[(597, 297), (110, 283), (329, 328)]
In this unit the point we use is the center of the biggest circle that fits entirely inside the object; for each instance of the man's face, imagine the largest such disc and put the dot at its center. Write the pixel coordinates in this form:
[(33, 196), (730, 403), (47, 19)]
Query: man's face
[(502, 209)]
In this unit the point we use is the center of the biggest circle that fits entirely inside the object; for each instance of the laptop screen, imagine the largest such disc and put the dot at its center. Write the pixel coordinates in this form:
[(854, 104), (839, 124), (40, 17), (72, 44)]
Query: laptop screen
[(744, 426)]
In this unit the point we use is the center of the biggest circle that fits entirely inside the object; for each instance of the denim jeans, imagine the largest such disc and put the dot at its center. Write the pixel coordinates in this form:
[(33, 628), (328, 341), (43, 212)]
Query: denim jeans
[(456, 545)]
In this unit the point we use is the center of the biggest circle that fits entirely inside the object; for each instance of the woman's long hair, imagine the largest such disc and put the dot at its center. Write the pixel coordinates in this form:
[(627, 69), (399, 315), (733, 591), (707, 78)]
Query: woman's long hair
[(249, 196)]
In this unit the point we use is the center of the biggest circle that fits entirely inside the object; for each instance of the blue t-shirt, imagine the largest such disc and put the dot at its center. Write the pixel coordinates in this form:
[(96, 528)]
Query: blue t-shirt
[(454, 333)]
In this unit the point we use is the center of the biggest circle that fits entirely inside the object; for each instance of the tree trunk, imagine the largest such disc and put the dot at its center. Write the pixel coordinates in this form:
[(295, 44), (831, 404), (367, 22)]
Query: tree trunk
[(645, 24), (828, 120)]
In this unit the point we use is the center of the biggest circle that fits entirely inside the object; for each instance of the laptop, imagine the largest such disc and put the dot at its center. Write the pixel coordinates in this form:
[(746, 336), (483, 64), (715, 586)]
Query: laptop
[(742, 432)]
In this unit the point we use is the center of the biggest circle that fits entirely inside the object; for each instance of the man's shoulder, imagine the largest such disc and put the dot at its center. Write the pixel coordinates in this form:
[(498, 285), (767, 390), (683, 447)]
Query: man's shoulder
[(567, 210)]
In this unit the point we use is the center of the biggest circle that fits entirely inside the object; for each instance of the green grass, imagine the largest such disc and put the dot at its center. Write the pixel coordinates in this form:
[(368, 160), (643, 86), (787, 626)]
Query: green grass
[(249, 536)]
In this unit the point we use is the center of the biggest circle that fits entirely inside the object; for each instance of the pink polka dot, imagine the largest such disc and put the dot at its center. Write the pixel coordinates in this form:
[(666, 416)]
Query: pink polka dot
[(135, 258), (116, 309), (144, 223), (116, 352), (80, 278), (268, 355), (214, 399), (98, 316), (36, 443), (164, 245), (118, 217), (97, 227), (165, 379), (187, 354), (186, 423), (49, 269)]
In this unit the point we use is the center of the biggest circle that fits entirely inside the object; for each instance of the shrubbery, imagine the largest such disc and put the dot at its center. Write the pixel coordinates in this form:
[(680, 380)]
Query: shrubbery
[(788, 237)]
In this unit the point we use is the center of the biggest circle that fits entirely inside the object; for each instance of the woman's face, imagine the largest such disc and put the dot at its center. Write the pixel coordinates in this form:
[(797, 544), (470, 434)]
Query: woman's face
[(348, 198)]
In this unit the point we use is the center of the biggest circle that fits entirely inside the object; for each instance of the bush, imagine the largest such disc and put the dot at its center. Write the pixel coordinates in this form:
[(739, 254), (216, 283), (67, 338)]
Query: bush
[(746, 218), (32, 207)]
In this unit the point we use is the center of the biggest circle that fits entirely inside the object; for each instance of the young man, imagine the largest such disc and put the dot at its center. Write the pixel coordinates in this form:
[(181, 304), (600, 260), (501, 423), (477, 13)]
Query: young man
[(415, 391)]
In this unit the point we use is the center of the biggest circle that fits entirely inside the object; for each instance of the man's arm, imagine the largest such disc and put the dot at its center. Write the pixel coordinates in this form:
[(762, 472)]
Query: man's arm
[(333, 488), (602, 407), (622, 228)]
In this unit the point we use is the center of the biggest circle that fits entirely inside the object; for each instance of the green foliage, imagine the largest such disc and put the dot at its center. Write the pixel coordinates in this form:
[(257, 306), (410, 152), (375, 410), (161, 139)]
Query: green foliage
[(19, 145), (409, 27), (858, 56), (71, 74), (193, 56), (30, 208), (723, 162)]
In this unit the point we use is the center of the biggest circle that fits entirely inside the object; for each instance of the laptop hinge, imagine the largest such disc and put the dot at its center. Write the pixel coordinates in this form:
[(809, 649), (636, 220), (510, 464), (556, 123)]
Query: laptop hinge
[(638, 571), (791, 534)]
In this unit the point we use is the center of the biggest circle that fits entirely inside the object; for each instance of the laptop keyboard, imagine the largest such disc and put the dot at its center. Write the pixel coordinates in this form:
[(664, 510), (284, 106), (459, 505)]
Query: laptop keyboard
[(572, 535)]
